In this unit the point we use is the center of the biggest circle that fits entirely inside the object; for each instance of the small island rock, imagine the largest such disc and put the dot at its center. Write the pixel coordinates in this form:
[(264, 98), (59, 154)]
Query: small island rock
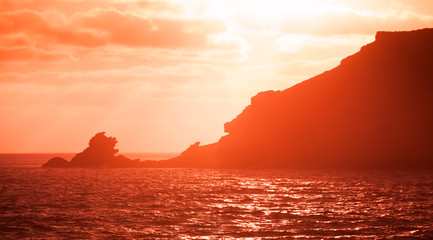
[(57, 162)]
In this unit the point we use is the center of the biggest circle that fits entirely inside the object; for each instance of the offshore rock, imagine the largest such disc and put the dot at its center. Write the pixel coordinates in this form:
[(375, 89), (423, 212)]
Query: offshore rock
[(99, 154), (57, 162)]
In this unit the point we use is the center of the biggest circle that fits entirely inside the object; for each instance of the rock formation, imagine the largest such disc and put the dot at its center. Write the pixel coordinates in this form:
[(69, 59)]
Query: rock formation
[(57, 162), (99, 154)]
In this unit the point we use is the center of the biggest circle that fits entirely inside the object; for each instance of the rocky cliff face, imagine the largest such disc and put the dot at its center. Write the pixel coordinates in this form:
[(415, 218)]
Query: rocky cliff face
[(374, 110)]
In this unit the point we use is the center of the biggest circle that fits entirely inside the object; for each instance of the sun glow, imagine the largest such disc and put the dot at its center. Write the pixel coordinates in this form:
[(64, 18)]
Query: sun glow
[(272, 15), (268, 10), (281, 8)]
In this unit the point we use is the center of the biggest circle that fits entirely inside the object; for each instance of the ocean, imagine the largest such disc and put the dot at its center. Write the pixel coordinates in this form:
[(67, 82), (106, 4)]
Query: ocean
[(40, 203)]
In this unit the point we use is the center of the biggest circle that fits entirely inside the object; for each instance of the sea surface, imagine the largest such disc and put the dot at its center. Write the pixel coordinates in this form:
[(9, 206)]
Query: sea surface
[(45, 203)]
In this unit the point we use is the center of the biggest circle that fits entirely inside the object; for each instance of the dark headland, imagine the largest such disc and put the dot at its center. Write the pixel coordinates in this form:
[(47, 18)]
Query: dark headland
[(374, 110)]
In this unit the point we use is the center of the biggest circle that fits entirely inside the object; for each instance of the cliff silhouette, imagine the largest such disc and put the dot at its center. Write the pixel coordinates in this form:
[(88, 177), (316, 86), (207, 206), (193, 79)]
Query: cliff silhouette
[(373, 110), (99, 154)]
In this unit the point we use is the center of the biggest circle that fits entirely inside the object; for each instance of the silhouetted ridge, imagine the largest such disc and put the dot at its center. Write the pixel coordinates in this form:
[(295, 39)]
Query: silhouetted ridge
[(374, 110), (400, 37)]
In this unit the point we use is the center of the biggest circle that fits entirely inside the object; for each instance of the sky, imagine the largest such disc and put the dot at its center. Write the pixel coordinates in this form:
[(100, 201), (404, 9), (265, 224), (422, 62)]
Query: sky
[(161, 75)]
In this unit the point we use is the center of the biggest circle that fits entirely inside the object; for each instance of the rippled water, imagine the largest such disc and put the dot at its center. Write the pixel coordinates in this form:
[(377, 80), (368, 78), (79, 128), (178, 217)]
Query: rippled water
[(195, 203)]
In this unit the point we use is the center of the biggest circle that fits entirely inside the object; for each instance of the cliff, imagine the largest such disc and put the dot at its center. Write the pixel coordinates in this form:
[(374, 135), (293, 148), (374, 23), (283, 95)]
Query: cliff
[(373, 110)]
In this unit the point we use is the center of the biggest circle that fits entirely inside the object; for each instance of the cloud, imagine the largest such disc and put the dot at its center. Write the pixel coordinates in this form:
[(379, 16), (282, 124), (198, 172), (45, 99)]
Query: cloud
[(100, 27), (334, 17), (293, 43), (45, 28), (29, 54), (51, 35), (170, 77), (282, 75), (229, 41), (132, 30), (346, 20), (68, 7)]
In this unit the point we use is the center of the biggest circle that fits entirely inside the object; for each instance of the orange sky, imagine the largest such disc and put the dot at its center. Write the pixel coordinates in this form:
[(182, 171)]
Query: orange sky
[(160, 75)]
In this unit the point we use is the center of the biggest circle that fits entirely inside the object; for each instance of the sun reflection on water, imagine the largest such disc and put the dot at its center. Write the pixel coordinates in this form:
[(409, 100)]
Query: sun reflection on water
[(209, 204)]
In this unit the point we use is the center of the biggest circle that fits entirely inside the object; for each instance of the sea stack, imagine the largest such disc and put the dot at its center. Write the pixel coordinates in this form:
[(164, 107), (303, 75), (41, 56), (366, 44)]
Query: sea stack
[(100, 154)]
